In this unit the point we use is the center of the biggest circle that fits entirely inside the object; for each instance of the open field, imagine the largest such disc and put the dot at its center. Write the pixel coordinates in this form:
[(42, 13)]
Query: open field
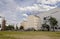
[(29, 35)]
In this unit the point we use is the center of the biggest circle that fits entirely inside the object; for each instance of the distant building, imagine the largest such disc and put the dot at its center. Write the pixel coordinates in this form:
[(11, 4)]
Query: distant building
[(32, 21), (2, 23)]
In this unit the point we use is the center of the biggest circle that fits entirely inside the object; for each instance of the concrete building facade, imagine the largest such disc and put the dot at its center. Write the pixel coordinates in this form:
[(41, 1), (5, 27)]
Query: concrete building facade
[(32, 21)]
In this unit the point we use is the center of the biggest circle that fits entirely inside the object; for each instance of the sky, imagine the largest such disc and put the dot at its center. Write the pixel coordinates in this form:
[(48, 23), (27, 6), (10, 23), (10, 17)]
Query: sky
[(15, 11)]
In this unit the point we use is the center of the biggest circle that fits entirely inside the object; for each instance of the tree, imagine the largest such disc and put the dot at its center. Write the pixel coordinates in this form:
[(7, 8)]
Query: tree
[(16, 28), (45, 26), (21, 28), (10, 27), (45, 20), (53, 22)]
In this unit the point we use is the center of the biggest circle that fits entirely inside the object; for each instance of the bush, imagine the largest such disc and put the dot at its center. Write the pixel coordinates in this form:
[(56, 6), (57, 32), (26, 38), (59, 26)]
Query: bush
[(21, 28)]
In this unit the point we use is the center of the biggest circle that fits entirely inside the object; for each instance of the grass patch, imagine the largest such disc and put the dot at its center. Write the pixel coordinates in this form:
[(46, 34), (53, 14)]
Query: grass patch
[(29, 35)]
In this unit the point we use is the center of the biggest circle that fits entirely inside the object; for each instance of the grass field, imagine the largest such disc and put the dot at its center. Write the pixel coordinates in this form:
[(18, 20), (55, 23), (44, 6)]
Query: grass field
[(29, 35)]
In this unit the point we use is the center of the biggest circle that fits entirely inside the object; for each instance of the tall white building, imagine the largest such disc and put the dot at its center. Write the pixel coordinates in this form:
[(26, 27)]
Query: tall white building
[(32, 22)]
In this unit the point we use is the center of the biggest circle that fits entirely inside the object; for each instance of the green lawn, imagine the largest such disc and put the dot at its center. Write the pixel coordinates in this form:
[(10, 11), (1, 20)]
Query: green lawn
[(29, 35)]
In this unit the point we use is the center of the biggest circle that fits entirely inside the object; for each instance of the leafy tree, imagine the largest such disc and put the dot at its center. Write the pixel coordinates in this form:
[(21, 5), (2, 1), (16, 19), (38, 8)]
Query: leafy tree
[(53, 22), (16, 28), (10, 27), (45, 18), (21, 27), (45, 26), (0, 25)]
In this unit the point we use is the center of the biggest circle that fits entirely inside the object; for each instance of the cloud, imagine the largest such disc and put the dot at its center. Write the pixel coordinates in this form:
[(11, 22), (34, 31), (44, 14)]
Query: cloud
[(25, 15), (35, 8), (51, 3), (38, 5), (23, 3), (8, 10), (16, 10), (47, 1)]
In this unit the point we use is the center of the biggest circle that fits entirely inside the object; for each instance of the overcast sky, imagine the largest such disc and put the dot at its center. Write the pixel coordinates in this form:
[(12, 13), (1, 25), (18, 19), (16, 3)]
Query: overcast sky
[(17, 10)]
